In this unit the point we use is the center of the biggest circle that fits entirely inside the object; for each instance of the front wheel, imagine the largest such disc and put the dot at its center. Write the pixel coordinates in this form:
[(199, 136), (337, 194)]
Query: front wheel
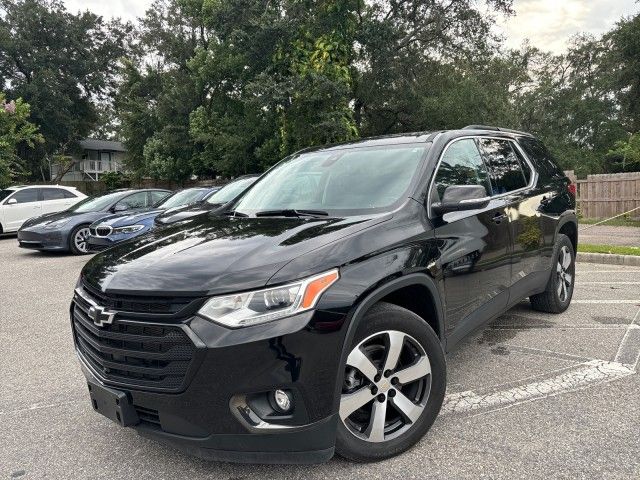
[(394, 385), (79, 240)]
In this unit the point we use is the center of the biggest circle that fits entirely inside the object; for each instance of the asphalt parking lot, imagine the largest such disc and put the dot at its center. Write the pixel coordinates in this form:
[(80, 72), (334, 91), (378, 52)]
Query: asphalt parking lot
[(532, 395)]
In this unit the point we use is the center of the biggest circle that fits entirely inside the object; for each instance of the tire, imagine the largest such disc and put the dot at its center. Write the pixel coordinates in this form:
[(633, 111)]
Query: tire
[(556, 297), (76, 247), (420, 379)]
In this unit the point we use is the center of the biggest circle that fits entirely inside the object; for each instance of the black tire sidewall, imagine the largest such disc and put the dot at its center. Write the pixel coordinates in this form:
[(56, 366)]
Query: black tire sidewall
[(384, 316)]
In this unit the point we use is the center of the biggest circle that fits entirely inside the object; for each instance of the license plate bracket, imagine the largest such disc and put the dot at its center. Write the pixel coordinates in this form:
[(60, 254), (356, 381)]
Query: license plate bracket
[(113, 404)]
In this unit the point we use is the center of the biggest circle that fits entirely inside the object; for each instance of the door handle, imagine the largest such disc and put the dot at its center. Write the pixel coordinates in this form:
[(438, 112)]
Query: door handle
[(499, 217)]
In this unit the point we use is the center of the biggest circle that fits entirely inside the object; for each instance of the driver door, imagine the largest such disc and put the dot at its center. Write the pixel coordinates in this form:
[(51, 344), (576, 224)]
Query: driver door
[(474, 245), (21, 206)]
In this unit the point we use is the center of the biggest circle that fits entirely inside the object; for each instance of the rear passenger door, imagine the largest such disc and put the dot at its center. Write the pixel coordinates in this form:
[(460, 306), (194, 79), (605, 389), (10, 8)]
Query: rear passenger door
[(475, 245), (56, 199), (512, 180)]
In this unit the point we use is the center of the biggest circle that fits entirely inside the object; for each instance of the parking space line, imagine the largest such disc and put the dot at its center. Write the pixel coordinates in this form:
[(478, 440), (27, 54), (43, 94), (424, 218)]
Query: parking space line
[(607, 271), (609, 283), (607, 301), (38, 406), (550, 353), (629, 350), (584, 375)]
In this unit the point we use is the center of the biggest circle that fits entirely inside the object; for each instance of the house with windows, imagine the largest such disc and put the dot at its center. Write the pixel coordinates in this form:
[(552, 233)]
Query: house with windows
[(95, 158)]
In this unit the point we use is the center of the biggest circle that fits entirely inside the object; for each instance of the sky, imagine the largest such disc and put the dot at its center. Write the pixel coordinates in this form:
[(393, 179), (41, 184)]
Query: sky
[(548, 24)]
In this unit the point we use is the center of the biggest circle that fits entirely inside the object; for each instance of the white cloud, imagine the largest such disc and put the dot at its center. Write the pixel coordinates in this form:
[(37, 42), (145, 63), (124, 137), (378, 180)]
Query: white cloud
[(549, 24)]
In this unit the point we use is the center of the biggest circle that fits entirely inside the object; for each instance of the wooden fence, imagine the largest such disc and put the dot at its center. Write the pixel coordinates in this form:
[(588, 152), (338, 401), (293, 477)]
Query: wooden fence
[(607, 195)]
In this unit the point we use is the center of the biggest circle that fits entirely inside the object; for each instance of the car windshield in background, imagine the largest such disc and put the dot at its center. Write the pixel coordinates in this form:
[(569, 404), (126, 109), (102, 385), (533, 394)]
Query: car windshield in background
[(230, 191), (344, 182), (178, 199), (5, 193), (97, 203)]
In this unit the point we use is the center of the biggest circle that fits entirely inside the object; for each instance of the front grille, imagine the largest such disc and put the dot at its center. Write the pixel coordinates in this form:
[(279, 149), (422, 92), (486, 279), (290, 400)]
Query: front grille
[(131, 353), (137, 304), (103, 231), (92, 231), (148, 415)]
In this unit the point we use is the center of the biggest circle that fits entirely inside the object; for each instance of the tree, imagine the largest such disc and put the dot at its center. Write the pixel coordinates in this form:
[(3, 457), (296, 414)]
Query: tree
[(15, 130), (63, 65)]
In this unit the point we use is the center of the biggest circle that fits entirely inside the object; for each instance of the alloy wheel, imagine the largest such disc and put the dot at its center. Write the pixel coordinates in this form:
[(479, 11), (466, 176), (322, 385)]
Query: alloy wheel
[(386, 388), (565, 277), (80, 240)]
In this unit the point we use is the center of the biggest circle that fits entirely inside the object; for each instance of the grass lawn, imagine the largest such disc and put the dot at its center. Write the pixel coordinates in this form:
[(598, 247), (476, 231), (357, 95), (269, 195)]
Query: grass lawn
[(587, 248), (616, 222)]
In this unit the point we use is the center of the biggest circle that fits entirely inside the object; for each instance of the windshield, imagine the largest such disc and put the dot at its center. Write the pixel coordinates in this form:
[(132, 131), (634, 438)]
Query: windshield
[(5, 193), (183, 197), (97, 203), (230, 190), (349, 181)]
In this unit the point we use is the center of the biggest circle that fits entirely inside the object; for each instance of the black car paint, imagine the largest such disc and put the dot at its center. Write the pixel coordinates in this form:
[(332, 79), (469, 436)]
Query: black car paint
[(441, 268)]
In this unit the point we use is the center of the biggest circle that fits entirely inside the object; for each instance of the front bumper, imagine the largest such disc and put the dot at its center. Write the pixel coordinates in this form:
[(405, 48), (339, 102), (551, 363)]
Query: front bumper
[(42, 239), (211, 414)]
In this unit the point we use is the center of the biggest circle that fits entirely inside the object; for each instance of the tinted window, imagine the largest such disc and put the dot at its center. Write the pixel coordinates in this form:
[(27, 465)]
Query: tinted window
[(504, 165), (183, 197), (53, 193), (27, 195), (539, 154), (461, 164), (5, 193), (230, 190), (157, 196), (68, 194)]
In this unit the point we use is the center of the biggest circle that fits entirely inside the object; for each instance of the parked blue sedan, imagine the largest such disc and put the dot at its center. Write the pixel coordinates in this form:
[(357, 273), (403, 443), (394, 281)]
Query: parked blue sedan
[(114, 229)]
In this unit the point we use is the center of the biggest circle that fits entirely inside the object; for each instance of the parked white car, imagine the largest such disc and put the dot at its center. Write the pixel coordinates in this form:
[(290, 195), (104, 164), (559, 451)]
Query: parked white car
[(20, 203)]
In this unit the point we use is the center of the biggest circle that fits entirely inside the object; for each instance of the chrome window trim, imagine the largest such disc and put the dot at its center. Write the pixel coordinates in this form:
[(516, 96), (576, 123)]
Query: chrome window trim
[(514, 143)]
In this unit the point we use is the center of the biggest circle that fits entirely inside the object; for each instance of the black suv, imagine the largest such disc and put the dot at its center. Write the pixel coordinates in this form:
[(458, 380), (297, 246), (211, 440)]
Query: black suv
[(312, 314)]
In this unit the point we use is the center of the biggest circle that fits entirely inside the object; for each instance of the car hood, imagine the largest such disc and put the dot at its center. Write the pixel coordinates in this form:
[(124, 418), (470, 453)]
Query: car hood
[(129, 218), (75, 217), (183, 213), (211, 255)]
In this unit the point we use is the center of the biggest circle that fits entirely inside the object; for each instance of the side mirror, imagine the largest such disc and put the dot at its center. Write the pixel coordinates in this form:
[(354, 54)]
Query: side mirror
[(12, 201), (120, 207), (457, 198)]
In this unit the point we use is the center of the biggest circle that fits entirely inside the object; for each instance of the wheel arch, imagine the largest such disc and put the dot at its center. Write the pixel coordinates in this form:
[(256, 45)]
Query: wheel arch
[(73, 229), (568, 225)]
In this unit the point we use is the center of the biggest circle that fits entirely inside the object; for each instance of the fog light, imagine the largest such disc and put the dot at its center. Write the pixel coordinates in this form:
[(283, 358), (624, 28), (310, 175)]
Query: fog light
[(282, 401)]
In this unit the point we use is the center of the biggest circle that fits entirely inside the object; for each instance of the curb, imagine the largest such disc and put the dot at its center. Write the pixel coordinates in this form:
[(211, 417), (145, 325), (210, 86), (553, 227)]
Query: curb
[(609, 259)]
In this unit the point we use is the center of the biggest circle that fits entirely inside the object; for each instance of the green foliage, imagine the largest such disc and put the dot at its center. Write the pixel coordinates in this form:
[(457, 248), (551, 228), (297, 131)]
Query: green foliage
[(115, 180), (625, 156), (15, 130), (62, 64)]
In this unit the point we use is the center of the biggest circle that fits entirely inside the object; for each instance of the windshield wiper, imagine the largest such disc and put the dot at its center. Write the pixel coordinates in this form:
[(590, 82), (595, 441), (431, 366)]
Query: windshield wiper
[(291, 212)]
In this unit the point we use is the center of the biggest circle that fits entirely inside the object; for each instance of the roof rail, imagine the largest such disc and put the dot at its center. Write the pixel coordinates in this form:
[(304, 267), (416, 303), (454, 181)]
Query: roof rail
[(497, 129)]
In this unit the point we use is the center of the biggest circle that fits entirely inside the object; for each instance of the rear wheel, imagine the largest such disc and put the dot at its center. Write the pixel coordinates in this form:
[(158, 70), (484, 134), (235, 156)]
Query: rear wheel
[(79, 240), (557, 296), (394, 385)]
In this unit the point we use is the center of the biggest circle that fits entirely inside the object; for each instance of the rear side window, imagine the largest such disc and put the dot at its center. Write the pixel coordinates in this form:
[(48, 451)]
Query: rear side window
[(539, 154), (504, 165), (461, 164), (53, 194), (28, 195)]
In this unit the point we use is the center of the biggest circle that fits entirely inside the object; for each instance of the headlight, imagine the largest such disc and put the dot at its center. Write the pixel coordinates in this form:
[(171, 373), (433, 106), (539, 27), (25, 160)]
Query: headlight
[(57, 223), (128, 229), (261, 306)]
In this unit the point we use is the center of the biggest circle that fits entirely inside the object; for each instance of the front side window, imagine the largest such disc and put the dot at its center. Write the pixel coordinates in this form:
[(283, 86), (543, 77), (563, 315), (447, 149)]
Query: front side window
[(349, 181), (97, 203), (28, 195), (157, 196), (504, 165), (137, 200), (184, 197), (461, 164)]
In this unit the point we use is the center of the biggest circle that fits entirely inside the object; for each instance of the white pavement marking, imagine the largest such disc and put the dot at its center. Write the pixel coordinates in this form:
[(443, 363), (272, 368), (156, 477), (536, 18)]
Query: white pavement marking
[(585, 374), (607, 271), (629, 349), (607, 301), (609, 283), (39, 406)]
